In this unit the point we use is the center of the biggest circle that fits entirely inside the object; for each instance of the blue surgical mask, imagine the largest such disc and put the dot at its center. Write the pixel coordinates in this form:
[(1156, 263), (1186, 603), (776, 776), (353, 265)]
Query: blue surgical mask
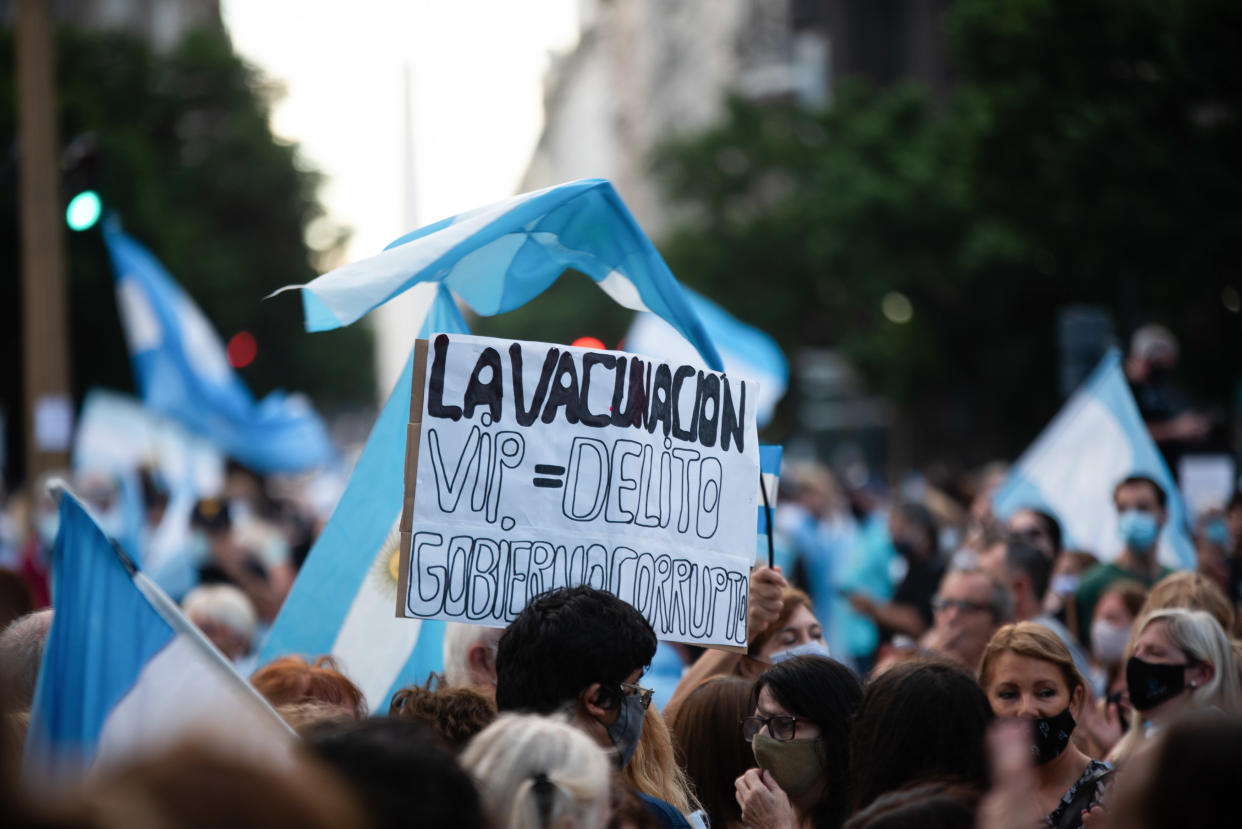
[(812, 648), (1138, 530), (628, 727)]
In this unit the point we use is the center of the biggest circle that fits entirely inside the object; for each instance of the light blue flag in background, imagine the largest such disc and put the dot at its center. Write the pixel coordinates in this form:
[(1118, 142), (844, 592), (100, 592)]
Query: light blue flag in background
[(500, 257), (1097, 439), (182, 371), (343, 601), (495, 259), (124, 672), (747, 352)]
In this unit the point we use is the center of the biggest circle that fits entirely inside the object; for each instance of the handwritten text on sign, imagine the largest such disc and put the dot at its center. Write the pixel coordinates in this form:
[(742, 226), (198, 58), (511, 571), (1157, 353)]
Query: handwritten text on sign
[(540, 466)]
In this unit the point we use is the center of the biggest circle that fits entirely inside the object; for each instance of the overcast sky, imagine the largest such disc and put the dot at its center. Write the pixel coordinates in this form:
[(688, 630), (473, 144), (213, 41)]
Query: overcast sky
[(476, 71)]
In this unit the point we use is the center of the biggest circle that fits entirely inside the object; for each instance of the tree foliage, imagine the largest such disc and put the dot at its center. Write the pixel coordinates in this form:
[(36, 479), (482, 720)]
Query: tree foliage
[(1087, 154), (188, 162)]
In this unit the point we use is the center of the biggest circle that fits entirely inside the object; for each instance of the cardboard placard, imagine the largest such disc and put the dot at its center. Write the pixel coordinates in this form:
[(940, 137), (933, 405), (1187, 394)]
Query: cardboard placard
[(532, 466)]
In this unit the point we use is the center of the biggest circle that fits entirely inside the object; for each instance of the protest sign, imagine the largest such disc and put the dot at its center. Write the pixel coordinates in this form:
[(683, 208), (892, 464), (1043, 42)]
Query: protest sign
[(532, 466)]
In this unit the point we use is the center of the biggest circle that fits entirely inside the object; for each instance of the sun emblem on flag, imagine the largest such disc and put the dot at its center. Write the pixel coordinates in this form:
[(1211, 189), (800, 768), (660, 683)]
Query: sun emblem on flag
[(386, 567)]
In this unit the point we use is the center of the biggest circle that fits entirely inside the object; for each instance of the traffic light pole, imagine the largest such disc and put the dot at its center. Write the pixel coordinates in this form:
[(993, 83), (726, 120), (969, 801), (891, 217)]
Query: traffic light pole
[(48, 404)]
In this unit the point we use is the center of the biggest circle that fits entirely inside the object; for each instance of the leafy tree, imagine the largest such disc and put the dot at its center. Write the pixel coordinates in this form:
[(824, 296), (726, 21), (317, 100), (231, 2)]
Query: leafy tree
[(187, 160), (1087, 154)]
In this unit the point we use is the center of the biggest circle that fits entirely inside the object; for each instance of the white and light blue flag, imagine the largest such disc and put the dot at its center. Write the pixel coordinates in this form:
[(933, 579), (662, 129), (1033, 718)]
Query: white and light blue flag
[(342, 601), (182, 371), (1096, 440), (747, 351), (495, 259), (499, 257), (124, 673)]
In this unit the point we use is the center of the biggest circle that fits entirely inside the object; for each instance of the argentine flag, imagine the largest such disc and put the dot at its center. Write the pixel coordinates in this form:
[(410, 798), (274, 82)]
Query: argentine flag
[(182, 371), (343, 600), (495, 259), (124, 672), (746, 351), (500, 257), (1097, 439)]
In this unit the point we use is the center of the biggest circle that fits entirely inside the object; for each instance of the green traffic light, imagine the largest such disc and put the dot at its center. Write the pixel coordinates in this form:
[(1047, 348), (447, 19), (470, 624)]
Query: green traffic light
[(83, 210)]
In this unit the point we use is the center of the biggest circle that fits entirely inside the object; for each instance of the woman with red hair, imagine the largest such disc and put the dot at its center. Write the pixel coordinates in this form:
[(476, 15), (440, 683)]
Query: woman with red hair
[(291, 681)]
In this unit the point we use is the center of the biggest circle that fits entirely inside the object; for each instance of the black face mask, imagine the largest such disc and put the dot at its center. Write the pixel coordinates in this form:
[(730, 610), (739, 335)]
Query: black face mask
[(904, 549), (1150, 684), (1052, 735)]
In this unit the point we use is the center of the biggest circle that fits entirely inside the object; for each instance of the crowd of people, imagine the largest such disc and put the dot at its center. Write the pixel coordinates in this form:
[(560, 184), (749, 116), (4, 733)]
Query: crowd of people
[(910, 662)]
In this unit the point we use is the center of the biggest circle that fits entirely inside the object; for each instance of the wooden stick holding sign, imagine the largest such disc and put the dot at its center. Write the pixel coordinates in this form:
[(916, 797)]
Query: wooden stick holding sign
[(532, 466)]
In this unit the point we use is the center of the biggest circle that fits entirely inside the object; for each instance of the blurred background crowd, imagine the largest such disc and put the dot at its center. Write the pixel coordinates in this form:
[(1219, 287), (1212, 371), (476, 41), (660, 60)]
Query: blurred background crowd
[(943, 214)]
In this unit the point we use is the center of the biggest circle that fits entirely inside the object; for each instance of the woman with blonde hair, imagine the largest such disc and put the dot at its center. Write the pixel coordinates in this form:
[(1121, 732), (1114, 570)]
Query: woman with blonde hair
[(654, 770), (1027, 673), (1180, 661), (1193, 591), (536, 772)]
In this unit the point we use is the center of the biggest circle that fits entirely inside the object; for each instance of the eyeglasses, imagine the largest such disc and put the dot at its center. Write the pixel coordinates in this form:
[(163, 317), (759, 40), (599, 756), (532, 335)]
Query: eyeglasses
[(781, 727), (965, 605), (644, 694)]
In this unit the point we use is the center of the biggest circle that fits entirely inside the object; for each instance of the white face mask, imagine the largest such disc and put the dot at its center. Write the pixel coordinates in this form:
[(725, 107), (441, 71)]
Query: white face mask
[(812, 648), (1108, 641)]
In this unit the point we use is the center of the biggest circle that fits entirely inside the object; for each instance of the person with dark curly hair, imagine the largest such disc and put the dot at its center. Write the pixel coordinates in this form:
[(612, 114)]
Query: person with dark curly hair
[(455, 714)]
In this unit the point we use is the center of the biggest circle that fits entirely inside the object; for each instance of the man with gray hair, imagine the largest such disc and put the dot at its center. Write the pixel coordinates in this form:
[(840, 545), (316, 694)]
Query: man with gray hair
[(969, 606), (21, 653), (470, 656)]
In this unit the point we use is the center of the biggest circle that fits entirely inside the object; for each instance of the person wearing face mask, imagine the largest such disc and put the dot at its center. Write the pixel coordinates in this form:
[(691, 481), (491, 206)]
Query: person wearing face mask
[(802, 710), (1027, 673), (1107, 718), (781, 624), (1141, 513), (1180, 661), (582, 651)]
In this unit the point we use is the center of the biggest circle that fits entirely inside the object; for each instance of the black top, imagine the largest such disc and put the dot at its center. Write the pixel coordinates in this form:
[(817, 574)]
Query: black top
[(919, 586), (1081, 796)]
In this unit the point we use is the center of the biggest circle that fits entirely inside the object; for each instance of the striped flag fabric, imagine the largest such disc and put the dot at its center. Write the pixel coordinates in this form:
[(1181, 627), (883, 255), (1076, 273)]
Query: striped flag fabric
[(493, 259), (342, 601), (125, 673), (499, 257), (1096, 440), (182, 371), (747, 351)]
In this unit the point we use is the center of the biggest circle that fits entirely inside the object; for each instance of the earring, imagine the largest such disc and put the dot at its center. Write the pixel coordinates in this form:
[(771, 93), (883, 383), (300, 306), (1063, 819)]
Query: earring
[(1193, 685)]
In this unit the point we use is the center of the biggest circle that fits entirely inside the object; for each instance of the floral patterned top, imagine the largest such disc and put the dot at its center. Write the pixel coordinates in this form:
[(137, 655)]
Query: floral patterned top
[(1082, 795)]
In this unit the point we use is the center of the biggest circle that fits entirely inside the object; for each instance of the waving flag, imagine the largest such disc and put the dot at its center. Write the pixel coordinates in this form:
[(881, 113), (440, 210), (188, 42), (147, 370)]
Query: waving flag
[(124, 672), (1097, 439), (182, 371), (747, 352), (496, 259), (342, 602), (500, 257)]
